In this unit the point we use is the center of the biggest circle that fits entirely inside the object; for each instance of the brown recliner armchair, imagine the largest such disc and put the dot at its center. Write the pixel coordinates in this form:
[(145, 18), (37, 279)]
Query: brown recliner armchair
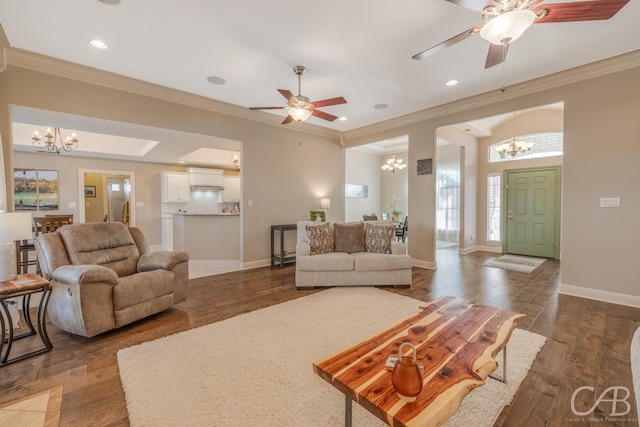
[(104, 276)]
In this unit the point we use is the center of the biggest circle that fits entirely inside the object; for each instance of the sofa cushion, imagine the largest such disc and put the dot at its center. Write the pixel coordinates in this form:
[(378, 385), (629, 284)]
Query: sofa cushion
[(109, 244), (139, 288), (371, 261), (349, 237), (378, 237), (320, 238), (332, 261)]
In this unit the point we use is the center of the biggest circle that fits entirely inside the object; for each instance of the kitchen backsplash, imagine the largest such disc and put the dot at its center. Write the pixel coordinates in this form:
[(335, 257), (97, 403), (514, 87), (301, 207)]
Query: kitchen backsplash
[(204, 202)]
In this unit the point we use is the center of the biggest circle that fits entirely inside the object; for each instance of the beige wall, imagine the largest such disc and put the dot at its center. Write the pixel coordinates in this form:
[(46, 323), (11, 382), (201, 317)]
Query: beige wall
[(362, 169), (285, 172)]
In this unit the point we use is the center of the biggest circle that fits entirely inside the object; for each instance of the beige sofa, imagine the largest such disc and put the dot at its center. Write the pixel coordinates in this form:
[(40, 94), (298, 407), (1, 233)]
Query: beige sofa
[(103, 276), (362, 267)]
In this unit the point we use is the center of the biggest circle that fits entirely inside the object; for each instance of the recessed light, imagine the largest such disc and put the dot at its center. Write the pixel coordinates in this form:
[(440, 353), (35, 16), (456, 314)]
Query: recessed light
[(99, 44), (342, 119), (180, 161), (380, 106), (109, 1), (452, 82), (216, 80)]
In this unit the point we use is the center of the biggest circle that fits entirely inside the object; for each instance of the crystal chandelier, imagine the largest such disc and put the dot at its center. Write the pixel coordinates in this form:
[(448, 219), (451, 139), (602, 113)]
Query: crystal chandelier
[(393, 164), (514, 146), (53, 141)]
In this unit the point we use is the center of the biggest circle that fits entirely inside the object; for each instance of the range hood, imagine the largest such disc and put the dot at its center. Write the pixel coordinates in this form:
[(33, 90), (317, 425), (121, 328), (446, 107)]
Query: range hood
[(206, 187)]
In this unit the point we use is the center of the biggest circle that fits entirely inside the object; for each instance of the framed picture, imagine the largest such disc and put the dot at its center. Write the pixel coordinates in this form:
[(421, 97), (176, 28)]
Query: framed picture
[(89, 191), (35, 189), (425, 167), (356, 191), (318, 216)]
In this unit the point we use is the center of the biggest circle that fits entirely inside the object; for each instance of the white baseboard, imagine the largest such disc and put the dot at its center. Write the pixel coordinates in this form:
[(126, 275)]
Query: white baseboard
[(600, 295), (209, 263), (484, 248), (256, 264), (423, 264)]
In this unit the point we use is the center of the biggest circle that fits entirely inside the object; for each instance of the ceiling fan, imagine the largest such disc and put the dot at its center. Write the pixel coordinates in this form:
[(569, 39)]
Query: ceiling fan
[(300, 107), (506, 20)]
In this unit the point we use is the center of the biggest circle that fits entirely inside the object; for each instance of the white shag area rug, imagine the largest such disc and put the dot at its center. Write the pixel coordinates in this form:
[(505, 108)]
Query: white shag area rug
[(523, 264), (256, 369)]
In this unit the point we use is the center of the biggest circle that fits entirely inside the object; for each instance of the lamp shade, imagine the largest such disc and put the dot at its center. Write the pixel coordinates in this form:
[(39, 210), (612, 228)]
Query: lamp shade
[(507, 27), (325, 203), (15, 226), (299, 114)]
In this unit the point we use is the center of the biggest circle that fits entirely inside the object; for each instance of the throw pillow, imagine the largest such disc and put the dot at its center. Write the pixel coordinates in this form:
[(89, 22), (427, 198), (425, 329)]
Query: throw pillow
[(320, 238), (378, 237), (349, 237)]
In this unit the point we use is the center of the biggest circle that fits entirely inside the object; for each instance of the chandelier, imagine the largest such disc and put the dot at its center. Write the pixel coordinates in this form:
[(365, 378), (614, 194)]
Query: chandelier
[(514, 146), (393, 164), (53, 141)]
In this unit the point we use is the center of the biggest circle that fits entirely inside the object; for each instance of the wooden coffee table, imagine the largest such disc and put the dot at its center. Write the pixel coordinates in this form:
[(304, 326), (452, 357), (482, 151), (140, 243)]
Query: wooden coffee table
[(456, 341)]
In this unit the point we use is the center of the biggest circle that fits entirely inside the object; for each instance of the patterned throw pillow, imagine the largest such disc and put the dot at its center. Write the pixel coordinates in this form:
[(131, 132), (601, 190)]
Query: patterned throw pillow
[(321, 238), (378, 237)]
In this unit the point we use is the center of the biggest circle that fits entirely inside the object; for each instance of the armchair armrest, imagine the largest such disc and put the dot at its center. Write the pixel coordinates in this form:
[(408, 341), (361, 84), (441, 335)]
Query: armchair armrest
[(83, 274), (162, 260), (303, 248), (398, 248)]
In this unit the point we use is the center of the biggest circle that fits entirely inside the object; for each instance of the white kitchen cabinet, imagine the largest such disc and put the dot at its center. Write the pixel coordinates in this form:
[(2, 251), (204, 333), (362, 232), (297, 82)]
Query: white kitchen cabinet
[(175, 187), (206, 177), (231, 188)]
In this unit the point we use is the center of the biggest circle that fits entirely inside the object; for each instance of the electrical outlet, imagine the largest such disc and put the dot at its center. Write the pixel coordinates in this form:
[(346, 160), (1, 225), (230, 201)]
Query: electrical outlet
[(609, 202)]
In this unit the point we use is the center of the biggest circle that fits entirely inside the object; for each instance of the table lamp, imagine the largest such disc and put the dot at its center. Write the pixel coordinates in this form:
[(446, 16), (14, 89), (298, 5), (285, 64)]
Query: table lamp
[(13, 226)]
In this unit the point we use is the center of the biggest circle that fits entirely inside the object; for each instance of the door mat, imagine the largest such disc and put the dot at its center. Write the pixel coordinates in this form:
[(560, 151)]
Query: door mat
[(523, 264)]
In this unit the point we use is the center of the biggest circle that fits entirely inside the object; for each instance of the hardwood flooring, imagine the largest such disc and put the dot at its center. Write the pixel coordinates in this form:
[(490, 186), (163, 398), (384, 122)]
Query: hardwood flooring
[(587, 341)]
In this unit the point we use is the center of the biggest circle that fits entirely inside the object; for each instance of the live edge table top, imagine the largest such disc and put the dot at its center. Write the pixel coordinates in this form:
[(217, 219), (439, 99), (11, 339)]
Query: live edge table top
[(456, 340)]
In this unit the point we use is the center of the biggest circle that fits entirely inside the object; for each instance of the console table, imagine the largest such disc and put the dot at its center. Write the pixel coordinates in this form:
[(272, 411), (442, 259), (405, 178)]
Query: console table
[(282, 257), (24, 285)]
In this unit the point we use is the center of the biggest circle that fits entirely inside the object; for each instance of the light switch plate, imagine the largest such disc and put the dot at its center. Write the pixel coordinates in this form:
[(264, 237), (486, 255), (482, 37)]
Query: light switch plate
[(139, 204), (72, 205), (609, 202)]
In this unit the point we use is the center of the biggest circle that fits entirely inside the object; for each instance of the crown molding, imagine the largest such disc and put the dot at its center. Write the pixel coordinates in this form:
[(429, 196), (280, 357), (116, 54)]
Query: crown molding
[(562, 78), (61, 68)]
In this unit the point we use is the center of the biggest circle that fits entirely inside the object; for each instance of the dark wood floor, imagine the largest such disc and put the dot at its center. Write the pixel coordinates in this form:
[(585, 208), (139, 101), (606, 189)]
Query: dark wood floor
[(588, 342)]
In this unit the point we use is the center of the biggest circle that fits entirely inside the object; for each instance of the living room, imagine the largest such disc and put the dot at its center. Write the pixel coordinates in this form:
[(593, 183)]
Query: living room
[(288, 169)]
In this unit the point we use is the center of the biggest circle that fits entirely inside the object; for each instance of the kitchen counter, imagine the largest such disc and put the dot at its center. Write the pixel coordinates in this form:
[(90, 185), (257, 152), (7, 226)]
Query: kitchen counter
[(207, 236)]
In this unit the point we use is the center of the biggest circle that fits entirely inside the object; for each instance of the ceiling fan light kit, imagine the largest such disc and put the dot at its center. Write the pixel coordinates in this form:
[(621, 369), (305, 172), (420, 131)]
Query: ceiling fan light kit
[(507, 27)]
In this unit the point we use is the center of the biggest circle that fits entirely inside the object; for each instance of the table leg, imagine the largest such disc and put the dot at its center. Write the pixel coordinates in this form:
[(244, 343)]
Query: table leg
[(502, 379), (8, 341), (281, 248), (348, 410)]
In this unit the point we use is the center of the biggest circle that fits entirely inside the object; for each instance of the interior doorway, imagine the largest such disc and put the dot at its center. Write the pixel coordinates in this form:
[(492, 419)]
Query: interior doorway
[(107, 195)]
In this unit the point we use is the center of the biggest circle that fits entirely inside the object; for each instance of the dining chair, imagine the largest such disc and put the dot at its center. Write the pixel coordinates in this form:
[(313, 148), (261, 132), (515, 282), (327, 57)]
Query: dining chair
[(401, 232), (370, 217)]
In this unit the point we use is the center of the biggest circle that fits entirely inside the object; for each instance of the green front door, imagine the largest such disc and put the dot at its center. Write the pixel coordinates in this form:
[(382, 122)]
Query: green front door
[(531, 212)]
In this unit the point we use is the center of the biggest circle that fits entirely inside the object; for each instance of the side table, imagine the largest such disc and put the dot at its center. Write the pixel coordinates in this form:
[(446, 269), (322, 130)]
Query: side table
[(24, 285), (282, 257)]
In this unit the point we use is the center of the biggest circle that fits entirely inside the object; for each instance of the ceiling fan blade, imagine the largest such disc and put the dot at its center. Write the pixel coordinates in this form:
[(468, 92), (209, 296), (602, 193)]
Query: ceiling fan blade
[(453, 40), (287, 119), (581, 11), (497, 55), (266, 108), (328, 102), (323, 115), (287, 94)]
